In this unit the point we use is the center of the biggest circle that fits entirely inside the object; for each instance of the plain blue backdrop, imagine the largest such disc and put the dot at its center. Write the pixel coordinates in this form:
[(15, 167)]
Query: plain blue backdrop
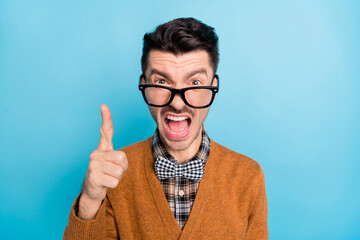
[(289, 73)]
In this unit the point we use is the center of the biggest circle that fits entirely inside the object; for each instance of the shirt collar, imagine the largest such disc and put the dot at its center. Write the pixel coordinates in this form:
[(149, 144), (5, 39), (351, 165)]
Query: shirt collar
[(158, 148)]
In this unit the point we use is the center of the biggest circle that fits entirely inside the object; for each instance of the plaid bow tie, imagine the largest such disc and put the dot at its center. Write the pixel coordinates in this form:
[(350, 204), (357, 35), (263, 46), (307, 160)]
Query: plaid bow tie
[(193, 170)]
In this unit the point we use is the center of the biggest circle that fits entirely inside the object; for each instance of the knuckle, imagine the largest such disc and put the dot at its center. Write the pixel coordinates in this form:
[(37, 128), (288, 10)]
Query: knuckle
[(119, 171), (94, 155), (104, 130), (114, 182), (90, 168), (126, 164), (93, 165), (122, 155), (92, 178)]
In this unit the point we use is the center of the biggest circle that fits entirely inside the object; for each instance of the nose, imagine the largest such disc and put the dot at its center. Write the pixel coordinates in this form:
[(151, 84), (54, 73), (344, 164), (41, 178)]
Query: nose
[(177, 102)]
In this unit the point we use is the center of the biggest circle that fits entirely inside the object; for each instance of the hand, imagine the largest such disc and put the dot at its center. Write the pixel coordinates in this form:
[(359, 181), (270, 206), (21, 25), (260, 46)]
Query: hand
[(105, 170)]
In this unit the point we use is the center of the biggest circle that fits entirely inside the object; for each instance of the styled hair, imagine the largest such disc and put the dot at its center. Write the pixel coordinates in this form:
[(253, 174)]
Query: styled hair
[(182, 35)]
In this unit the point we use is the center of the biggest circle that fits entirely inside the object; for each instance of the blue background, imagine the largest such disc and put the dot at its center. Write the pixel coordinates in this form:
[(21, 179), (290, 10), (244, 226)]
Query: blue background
[(289, 73)]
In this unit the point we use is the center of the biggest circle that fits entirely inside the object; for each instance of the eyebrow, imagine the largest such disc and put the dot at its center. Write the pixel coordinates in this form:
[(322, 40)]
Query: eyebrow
[(155, 71), (198, 71), (190, 74)]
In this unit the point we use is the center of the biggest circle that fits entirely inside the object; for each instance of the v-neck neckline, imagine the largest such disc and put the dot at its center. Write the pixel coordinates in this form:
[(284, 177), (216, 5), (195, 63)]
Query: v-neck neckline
[(169, 222)]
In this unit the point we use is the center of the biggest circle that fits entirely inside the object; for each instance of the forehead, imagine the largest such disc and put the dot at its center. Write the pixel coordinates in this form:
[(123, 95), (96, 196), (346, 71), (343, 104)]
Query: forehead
[(169, 62)]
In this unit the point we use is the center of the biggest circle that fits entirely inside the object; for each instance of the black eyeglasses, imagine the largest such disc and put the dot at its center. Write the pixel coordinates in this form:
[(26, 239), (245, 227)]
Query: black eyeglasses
[(195, 97)]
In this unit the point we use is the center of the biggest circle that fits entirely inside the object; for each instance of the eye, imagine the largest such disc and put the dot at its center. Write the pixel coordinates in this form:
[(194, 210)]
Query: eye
[(160, 81), (195, 82)]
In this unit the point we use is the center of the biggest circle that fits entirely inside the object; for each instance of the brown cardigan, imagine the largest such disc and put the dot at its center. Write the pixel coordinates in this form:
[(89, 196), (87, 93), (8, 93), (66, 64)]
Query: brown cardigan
[(230, 202)]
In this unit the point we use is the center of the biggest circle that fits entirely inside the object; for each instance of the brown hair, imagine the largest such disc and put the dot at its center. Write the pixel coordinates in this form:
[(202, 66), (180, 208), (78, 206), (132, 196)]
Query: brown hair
[(182, 35)]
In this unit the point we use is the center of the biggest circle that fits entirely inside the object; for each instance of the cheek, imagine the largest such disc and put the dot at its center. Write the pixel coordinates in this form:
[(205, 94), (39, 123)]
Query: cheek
[(202, 115), (154, 113)]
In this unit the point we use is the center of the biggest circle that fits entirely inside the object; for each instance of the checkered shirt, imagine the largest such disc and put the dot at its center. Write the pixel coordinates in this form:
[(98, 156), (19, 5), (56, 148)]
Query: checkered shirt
[(180, 192)]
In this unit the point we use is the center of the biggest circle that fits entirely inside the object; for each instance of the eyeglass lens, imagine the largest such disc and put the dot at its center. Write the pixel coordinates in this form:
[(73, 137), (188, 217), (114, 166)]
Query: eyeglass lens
[(195, 97)]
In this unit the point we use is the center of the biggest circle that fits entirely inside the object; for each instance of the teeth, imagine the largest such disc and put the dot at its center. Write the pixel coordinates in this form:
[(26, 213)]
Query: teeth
[(173, 118)]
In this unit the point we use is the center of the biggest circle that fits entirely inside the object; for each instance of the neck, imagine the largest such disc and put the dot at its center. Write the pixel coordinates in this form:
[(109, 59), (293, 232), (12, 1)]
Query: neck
[(182, 156)]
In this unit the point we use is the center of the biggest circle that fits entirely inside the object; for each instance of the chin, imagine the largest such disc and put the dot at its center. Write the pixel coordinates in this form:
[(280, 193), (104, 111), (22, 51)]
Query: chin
[(177, 145)]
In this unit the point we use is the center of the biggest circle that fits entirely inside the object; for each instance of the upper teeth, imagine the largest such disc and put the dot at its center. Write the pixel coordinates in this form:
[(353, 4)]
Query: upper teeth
[(176, 118)]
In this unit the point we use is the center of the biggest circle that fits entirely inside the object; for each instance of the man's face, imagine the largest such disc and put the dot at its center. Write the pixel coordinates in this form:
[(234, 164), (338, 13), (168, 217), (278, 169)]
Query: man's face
[(179, 125)]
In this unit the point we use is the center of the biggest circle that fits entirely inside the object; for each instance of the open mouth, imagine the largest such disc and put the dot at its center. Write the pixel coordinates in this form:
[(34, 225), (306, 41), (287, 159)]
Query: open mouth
[(177, 127)]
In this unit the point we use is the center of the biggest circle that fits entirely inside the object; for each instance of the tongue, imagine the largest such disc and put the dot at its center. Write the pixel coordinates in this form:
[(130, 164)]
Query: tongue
[(178, 126)]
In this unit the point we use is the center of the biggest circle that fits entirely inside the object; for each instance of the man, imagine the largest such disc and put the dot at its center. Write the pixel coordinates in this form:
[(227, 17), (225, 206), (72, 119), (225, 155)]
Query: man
[(177, 184)]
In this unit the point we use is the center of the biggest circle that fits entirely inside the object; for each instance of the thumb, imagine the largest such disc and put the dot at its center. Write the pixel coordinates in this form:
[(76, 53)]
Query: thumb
[(107, 129)]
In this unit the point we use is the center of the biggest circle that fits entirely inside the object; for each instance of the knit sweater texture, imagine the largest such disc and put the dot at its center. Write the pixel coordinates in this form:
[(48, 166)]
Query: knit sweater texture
[(230, 202)]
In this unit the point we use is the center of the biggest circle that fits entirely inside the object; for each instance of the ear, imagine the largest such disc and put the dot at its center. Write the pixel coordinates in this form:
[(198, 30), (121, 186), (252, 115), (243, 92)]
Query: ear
[(142, 79), (215, 81)]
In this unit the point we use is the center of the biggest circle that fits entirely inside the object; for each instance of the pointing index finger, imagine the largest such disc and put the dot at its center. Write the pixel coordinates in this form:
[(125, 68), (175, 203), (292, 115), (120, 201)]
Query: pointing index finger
[(107, 129)]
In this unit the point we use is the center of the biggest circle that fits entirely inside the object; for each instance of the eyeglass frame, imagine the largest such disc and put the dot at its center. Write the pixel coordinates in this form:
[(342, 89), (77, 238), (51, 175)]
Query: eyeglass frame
[(174, 91)]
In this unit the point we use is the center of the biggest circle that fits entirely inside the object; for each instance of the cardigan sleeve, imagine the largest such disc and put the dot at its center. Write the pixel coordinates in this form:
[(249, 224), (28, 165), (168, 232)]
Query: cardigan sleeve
[(103, 226), (257, 220)]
